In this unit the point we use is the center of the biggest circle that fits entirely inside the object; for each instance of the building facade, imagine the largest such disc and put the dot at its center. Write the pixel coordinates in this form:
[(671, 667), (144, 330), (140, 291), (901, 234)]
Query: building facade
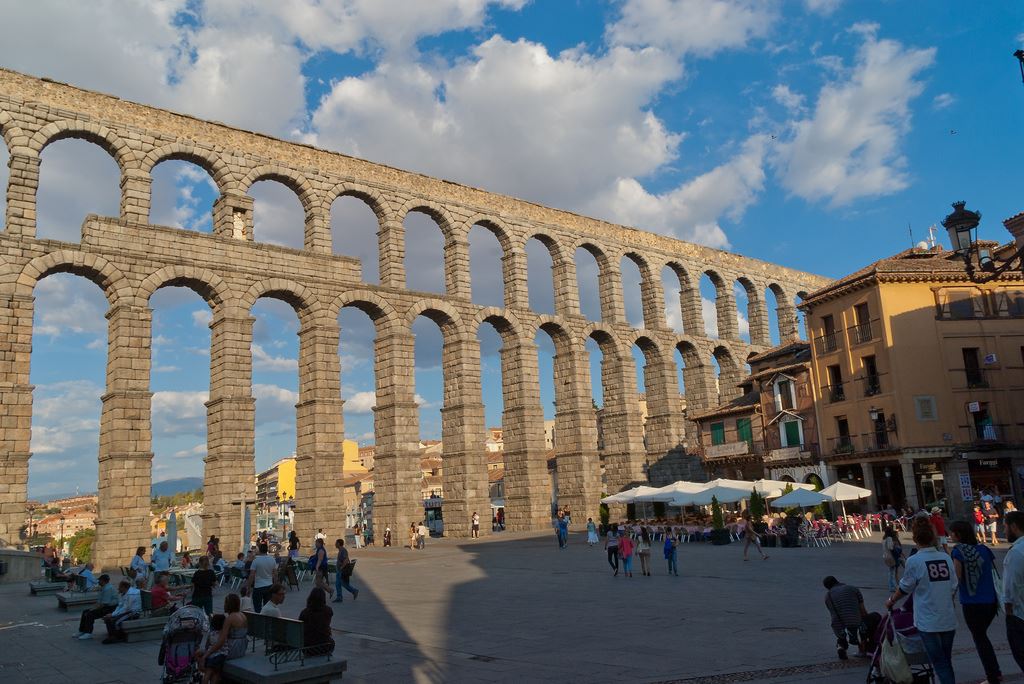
[(918, 363)]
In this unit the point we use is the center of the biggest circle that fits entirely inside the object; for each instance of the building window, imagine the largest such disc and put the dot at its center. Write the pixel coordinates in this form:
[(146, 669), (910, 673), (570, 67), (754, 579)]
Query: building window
[(827, 342), (836, 392), (844, 443), (984, 428), (784, 397), (872, 382), (972, 368), (925, 407), (961, 303), (791, 432), (744, 433), (717, 434), (1009, 303)]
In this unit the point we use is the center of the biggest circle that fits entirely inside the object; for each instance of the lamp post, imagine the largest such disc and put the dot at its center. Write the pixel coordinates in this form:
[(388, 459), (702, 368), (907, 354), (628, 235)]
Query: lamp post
[(1019, 54), (962, 226), (62, 533)]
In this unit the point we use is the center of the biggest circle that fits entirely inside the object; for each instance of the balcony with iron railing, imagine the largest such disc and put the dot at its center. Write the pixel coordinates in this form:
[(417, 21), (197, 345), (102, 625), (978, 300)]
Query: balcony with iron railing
[(862, 333), (872, 384), (868, 442), (993, 434), (828, 343), (834, 393)]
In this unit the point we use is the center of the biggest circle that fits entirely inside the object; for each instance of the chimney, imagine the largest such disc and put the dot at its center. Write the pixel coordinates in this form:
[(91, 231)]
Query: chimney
[(1015, 224)]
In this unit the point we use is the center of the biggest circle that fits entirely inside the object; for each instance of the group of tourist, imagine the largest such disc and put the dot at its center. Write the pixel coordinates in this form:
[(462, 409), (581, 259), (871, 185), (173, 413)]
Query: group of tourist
[(941, 569), (622, 548)]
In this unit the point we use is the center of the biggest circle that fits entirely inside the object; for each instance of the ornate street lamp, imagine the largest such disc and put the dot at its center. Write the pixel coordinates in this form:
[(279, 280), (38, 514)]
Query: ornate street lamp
[(1019, 54), (962, 226), (62, 532)]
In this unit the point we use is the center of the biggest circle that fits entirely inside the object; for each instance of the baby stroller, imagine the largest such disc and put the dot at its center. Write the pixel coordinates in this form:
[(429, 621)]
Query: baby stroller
[(898, 625), (183, 633)]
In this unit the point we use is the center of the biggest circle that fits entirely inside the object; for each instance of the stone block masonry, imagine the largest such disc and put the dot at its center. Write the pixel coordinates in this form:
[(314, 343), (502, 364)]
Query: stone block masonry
[(130, 259)]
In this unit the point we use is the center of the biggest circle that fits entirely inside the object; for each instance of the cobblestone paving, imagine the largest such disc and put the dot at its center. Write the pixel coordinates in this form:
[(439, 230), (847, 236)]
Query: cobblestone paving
[(515, 608)]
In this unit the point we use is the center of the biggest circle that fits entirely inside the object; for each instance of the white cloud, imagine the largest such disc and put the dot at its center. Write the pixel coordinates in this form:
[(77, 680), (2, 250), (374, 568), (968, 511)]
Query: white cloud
[(66, 303), (65, 415), (850, 146), (201, 318), (197, 450), (709, 314), (943, 100), (693, 210), (700, 27), (825, 7), (158, 368), (794, 102), (261, 360), (361, 402), (179, 412)]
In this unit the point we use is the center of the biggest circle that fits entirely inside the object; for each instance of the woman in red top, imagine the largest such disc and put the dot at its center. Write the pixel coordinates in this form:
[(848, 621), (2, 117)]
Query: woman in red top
[(626, 551)]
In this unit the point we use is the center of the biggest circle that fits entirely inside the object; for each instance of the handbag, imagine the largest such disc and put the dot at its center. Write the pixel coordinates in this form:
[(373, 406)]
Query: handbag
[(893, 662)]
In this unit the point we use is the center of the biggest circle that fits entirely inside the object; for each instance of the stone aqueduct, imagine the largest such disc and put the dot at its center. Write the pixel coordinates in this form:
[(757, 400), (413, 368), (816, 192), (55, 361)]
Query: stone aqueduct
[(130, 259)]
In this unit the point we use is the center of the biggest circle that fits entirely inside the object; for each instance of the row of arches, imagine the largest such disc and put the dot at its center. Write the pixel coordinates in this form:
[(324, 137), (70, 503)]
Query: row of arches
[(230, 410), (528, 267)]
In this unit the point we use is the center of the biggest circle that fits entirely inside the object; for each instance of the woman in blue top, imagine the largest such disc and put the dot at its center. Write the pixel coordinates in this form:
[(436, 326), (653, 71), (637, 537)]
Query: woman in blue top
[(974, 571)]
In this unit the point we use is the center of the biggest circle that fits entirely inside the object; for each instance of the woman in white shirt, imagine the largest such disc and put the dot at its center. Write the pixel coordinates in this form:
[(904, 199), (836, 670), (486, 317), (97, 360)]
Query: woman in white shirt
[(931, 577), (138, 564)]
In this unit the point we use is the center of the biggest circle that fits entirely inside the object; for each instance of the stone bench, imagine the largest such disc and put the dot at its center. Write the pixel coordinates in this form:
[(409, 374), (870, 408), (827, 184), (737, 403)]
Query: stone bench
[(44, 588), (259, 669), (284, 659), (72, 599), (144, 628)]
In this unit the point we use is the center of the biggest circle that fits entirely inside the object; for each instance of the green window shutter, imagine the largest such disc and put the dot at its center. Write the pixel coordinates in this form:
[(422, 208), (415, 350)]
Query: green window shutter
[(792, 433), (743, 430), (717, 434)]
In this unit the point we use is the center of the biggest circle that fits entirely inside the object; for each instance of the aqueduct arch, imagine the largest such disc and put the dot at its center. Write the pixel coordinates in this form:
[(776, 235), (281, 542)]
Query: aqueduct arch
[(130, 258)]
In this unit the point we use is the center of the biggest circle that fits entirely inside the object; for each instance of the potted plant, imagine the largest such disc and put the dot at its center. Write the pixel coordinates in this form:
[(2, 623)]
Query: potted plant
[(719, 535)]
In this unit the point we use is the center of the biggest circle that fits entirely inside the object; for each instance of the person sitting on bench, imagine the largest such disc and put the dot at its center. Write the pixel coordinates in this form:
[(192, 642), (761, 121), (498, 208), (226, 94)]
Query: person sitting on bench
[(164, 600), (108, 600), (129, 607), (86, 572)]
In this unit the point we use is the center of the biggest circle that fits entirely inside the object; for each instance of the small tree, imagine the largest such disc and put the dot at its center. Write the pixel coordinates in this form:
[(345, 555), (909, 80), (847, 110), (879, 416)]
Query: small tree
[(604, 514), (716, 514), (81, 545), (756, 506)]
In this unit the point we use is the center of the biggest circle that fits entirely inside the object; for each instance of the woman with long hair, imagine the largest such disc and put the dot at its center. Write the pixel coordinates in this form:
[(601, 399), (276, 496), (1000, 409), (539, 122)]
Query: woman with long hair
[(931, 579), (643, 551), (892, 555), (230, 642), (320, 568), (976, 573), (316, 623)]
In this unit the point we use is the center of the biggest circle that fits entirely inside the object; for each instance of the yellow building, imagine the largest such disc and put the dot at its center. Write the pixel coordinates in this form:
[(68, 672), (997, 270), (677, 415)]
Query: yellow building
[(918, 362), (275, 486)]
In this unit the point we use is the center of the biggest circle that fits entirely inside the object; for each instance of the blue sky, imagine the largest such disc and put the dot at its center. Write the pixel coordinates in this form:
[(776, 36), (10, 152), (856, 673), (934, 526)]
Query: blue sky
[(811, 133)]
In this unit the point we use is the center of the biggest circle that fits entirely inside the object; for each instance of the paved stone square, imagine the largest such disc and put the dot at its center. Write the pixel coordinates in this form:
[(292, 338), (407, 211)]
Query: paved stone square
[(515, 608)]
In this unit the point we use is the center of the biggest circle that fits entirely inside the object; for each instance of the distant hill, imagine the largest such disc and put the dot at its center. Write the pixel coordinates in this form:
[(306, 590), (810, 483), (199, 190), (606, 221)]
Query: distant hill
[(172, 487)]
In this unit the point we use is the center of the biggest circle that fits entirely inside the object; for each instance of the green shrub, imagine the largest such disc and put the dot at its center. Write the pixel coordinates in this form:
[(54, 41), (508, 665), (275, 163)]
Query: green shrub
[(716, 515)]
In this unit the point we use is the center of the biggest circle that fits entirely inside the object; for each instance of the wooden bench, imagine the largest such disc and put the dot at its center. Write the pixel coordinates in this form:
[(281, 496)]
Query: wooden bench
[(146, 627), (285, 659)]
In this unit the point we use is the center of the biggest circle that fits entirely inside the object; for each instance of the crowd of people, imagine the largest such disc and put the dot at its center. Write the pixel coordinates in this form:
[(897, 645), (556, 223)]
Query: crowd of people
[(945, 566)]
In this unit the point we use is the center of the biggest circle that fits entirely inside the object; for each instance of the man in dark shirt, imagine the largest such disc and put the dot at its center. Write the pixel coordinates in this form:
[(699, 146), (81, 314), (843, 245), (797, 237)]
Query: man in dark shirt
[(846, 607)]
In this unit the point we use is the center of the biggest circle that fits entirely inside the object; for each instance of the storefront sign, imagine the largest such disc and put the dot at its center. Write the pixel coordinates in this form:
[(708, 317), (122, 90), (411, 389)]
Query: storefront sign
[(990, 359), (726, 450), (965, 487), (974, 407)]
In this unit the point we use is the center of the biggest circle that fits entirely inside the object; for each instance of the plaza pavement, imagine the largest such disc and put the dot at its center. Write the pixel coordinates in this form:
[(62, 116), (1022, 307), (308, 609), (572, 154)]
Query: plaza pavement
[(515, 608)]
